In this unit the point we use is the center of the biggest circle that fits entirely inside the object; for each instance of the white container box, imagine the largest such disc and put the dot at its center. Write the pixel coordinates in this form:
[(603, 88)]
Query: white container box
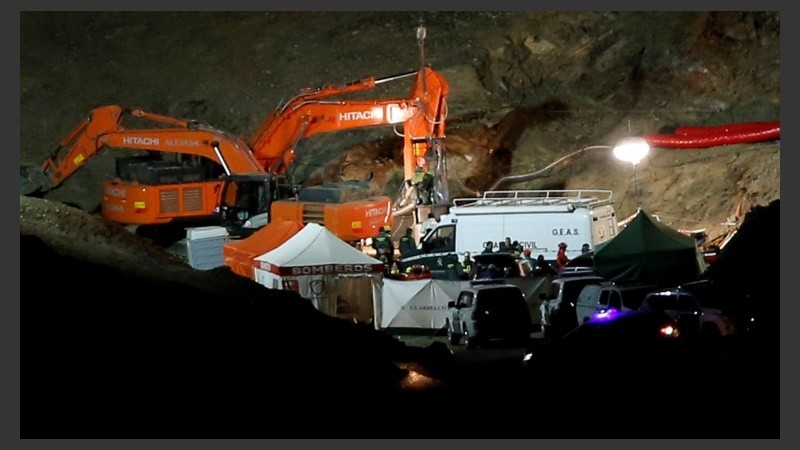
[(205, 232), (204, 247)]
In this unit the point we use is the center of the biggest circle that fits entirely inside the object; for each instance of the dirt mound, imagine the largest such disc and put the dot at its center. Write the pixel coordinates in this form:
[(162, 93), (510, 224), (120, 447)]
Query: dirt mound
[(118, 335), (72, 231)]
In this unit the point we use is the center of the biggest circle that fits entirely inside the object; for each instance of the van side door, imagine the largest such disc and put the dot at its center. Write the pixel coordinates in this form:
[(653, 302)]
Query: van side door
[(587, 302), (603, 301), (463, 310)]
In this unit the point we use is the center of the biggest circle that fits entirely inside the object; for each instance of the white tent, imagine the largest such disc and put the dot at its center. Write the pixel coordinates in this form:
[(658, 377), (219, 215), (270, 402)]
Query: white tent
[(340, 280), (417, 303), (423, 303)]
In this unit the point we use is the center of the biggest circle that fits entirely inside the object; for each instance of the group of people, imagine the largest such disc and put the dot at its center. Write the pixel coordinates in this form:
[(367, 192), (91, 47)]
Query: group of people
[(539, 264), (561, 256), (385, 250), (465, 269), (504, 246), (407, 245)]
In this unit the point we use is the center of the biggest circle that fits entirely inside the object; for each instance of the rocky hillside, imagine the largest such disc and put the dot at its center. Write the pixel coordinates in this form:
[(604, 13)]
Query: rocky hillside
[(525, 89), (120, 339)]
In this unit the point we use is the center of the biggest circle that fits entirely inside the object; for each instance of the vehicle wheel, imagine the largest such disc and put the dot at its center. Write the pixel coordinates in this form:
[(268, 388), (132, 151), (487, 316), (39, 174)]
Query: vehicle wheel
[(452, 337)]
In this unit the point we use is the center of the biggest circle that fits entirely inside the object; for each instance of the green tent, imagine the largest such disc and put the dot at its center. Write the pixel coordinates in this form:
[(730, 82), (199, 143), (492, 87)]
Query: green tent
[(649, 251)]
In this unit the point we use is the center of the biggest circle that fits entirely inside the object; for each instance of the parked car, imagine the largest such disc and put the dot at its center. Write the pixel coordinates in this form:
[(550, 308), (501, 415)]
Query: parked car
[(610, 296), (558, 304), (630, 361), (615, 340), (576, 271), (638, 363), (489, 311), (686, 304)]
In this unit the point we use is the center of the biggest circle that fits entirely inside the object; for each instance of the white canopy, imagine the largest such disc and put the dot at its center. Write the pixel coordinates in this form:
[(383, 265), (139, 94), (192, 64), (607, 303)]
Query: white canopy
[(338, 279), (418, 303), (423, 303), (315, 250)]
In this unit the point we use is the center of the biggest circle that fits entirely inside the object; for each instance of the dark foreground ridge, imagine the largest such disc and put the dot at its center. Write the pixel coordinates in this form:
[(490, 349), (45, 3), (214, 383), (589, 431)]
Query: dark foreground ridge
[(107, 353)]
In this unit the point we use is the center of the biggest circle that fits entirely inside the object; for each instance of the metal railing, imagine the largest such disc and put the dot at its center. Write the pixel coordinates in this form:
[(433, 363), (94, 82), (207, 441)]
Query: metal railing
[(586, 197)]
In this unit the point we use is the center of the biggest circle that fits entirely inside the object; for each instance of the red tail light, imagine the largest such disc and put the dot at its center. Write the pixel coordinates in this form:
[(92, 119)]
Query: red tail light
[(669, 331)]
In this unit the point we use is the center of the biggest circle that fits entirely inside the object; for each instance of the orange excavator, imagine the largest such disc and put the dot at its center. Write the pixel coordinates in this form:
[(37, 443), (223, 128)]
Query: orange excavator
[(192, 172), (182, 182)]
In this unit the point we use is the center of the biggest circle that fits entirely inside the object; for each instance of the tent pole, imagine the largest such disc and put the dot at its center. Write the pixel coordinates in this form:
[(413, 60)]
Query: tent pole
[(637, 189)]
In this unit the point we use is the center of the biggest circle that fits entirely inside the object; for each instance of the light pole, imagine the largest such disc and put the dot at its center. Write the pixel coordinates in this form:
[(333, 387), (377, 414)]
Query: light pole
[(633, 150)]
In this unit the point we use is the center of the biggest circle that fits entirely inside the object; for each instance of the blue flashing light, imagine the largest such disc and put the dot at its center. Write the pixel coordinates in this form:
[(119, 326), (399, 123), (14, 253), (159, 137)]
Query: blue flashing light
[(605, 315)]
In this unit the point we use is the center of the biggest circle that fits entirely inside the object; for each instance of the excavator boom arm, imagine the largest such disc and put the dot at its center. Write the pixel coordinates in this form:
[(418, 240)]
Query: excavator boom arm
[(312, 112), (230, 152), (103, 129), (276, 153), (430, 90)]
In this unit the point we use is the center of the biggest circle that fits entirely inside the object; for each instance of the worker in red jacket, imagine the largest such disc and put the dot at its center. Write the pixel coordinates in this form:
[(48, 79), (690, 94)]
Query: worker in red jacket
[(561, 256)]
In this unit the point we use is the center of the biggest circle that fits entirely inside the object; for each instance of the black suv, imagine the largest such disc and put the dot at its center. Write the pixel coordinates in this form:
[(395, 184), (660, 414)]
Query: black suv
[(487, 311)]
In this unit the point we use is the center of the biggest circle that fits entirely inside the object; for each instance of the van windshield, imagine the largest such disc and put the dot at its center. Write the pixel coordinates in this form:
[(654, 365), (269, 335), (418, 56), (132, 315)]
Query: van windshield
[(442, 239)]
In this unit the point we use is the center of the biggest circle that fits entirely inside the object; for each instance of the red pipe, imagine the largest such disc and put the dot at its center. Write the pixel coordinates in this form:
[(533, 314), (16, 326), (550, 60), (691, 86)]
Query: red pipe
[(704, 140), (728, 129)]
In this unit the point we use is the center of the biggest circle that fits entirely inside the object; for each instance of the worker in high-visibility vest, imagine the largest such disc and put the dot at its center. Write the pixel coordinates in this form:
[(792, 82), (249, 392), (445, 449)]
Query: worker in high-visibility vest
[(423, 181), (467, 265)]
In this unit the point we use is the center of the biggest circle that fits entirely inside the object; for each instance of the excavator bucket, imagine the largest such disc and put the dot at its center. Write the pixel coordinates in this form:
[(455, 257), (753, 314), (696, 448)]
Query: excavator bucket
[(33, 180)]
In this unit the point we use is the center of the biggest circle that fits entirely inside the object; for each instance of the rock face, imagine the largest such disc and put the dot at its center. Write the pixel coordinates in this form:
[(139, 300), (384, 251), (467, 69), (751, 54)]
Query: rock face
[(527, 88)]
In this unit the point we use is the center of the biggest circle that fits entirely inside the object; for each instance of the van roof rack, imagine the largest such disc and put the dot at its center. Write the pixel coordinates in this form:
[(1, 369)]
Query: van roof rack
[(575, 197)]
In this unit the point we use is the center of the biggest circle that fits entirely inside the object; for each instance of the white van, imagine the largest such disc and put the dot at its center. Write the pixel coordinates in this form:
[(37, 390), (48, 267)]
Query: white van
[(602, 297), (538, 220), (586, 302), (557, 309)]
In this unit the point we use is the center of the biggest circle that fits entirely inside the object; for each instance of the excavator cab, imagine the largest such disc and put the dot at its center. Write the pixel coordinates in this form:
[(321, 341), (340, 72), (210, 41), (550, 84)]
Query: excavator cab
[(246, 199)]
